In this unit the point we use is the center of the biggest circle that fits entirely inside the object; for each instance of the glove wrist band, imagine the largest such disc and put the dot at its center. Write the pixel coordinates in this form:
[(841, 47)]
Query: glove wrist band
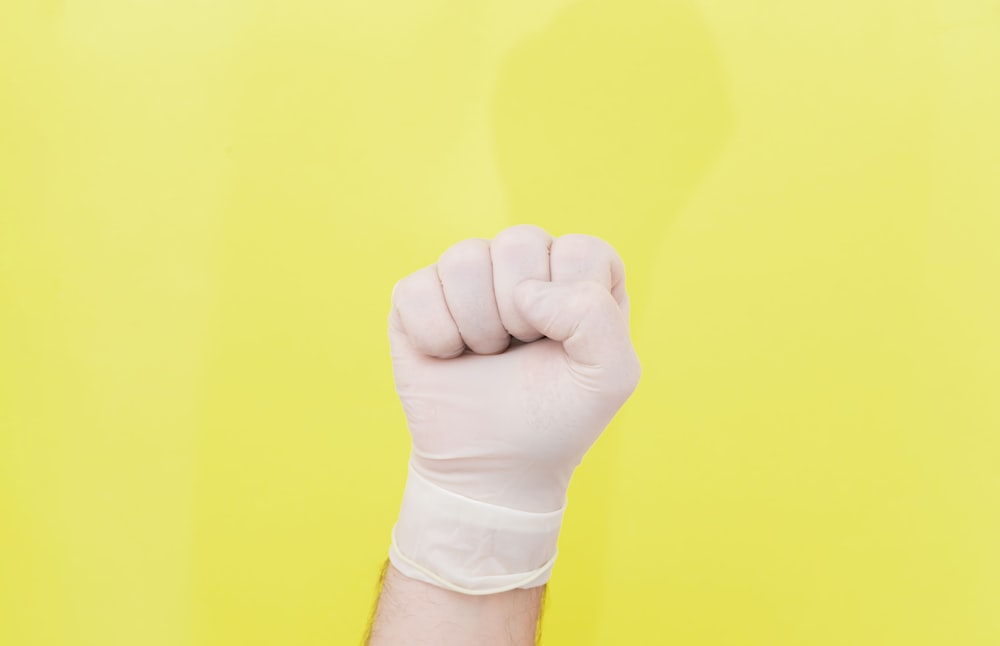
[(469, 546)]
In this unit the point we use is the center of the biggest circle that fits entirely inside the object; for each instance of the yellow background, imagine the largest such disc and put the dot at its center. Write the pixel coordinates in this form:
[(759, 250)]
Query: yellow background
[(203, 208)]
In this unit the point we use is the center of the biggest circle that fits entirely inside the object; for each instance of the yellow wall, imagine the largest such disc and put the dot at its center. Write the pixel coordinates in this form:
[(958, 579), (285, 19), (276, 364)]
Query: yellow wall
[(204, 205)]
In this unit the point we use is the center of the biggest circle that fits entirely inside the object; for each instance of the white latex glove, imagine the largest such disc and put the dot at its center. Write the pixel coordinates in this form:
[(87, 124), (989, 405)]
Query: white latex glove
[(499, 424)]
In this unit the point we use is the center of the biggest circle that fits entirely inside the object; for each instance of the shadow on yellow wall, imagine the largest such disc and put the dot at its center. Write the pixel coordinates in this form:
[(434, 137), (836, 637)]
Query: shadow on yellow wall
[(609, 117)]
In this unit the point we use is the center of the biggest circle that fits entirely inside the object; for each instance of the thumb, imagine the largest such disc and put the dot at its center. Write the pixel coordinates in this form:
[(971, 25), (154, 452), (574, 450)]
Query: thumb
[(585, 317)]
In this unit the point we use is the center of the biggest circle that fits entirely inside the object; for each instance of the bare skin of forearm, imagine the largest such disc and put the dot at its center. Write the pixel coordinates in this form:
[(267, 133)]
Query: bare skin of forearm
[(412, 612)]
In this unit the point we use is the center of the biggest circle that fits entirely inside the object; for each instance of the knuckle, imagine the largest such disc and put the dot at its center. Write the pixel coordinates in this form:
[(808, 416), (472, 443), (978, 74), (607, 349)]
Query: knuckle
[(509, 254), (522, 232), (462, 254), (519, 238), (408, 289), (401, 290), (580, 246)]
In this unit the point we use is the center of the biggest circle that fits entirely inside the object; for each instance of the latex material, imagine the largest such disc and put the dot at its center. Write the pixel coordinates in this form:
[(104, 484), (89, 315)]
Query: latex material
[(482, 548), (496, 438)]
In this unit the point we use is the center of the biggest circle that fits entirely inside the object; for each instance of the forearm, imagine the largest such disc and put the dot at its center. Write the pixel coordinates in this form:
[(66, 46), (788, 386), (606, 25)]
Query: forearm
[(414, 612)]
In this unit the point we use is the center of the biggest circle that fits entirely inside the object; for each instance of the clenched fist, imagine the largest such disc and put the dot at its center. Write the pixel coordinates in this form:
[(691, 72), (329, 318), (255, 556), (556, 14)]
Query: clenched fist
[(510, 357)]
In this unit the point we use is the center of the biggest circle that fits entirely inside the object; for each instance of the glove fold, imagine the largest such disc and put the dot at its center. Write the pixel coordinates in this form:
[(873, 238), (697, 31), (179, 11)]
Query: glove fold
[(469, 546)]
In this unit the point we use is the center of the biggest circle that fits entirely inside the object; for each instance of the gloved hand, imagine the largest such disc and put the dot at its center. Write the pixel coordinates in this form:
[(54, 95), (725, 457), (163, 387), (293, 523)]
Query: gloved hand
[(499, 424)]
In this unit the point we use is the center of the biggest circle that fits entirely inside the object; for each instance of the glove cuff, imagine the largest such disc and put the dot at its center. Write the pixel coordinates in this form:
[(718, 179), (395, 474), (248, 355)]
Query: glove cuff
[(469, 546)]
